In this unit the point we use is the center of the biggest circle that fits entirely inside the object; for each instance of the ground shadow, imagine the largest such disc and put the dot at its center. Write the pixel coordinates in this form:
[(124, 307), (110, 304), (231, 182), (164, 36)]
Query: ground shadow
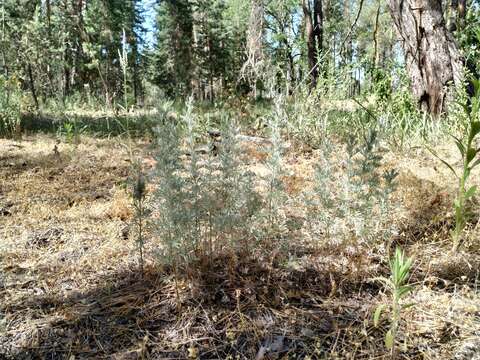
[(429, 223), (99, 126), (233, 307)]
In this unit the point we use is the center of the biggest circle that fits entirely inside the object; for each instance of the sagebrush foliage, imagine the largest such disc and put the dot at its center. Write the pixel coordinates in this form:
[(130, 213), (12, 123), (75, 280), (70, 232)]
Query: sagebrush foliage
[(352, 191), (204, 200), (275, 196), (208, 202)]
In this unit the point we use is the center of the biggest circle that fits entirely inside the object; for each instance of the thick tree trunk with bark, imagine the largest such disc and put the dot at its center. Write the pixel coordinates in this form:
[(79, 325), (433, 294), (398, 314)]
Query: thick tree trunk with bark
[(433, 60)]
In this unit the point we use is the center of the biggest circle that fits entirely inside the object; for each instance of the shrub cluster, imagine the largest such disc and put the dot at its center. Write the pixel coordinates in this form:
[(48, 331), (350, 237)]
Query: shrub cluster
[(9, 108)]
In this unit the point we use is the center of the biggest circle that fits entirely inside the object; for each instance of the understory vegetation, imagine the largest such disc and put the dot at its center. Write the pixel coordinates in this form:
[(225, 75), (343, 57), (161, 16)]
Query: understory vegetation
[(279, 237)]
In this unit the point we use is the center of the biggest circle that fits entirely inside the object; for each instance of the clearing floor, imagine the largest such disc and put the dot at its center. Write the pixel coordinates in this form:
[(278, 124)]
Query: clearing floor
[(70, 289)]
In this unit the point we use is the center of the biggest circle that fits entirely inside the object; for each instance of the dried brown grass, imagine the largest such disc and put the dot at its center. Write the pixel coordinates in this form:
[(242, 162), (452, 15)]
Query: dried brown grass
[(69, 288)]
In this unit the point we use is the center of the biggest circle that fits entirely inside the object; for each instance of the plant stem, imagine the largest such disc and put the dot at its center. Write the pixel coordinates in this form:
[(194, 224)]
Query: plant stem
[(396, 315), (461, 198), (140, 234)]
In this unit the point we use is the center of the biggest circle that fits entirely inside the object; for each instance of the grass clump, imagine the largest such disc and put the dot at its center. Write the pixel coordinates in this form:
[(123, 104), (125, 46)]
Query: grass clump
[(71, 131), (397, 285), (363, 187), (235, 185), (468, 150)]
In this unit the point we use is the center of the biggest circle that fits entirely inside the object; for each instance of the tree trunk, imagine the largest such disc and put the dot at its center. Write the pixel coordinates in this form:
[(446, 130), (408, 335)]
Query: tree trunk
[(311, 44), (81, 37), (457, 12), (375, 59), (254, 66), (135, 78), (346, 48), (49, 14), (318, 25), (462, 10), (432, 58), (66, 80), (32, 86)]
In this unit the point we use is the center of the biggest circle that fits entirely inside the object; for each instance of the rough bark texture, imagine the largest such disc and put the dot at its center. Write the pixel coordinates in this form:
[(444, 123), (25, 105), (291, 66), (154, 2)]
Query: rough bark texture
[(432, 58)]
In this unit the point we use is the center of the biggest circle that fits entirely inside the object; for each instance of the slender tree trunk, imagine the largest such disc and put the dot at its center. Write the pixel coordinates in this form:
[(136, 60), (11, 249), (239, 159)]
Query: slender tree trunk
[(334, 53), (347, 47), (452, 16), (311, 43), (210, 70), (66, 67), (48, 9), (288, 56), (135, 79), (375, 59), (81, 36), (457, 12), (32, 86), (253, 68), (376, 53), (66, 75), (135, 60), (49, 14), (462, 10), (196, 85), (432, 58), (318, 26), (291, 65)]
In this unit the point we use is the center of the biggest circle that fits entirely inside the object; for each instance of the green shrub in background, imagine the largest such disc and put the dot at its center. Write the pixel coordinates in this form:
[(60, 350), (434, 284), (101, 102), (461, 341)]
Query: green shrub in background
[(10, 119)]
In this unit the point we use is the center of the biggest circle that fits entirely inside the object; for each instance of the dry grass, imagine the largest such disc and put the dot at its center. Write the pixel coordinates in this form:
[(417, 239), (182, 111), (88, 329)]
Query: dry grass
[(69, 287)]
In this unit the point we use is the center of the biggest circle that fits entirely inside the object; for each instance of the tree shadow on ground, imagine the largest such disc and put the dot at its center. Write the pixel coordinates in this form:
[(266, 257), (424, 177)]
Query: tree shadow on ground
[(234, 306), (60, 176), (100, 126), (428, 226)]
